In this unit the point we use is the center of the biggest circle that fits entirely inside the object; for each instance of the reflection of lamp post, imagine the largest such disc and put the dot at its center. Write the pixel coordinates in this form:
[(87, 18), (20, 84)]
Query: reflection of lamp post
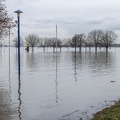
[(18, 15), (19, 99)]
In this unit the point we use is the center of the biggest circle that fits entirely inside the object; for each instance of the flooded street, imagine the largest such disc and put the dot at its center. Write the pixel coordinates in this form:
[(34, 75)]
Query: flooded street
[(69, 90)]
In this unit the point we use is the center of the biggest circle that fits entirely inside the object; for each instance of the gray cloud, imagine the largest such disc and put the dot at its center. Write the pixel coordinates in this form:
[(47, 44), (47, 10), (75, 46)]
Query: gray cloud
[(71, 16)]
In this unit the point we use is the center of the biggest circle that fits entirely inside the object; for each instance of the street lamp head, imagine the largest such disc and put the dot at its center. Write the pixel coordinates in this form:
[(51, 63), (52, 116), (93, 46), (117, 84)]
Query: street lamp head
[(18, 12)]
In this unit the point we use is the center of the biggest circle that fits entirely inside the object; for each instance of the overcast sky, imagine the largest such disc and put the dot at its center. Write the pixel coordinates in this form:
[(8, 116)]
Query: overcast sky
[(71, 16)]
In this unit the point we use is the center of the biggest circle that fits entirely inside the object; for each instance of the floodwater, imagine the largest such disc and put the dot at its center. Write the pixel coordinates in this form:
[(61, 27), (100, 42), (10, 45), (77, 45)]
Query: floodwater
[(66, 89)]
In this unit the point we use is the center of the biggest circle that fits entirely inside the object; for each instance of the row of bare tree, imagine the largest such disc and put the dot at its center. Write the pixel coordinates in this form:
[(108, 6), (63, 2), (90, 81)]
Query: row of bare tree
[(34, 40), (95, 38)]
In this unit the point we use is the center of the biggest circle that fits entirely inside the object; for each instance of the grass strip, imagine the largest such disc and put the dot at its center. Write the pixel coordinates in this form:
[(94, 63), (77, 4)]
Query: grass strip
[(110, 113)]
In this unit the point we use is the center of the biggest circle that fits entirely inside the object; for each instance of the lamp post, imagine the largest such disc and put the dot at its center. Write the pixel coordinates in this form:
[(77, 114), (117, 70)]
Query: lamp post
[(9, 26), (18, 15), (9, 49), (75, 44), (56, 47)]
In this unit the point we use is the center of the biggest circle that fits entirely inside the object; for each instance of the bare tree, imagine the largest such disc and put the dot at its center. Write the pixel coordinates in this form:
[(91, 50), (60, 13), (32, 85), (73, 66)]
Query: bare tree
[(52, 43), (15, 42), (40, 42), (67, 42), (5, 20), (59, 43), (80, 39), (109, 38), (95, 37), (44, 43), (89, 44), (32, 40), (72, 41), (1, 45)]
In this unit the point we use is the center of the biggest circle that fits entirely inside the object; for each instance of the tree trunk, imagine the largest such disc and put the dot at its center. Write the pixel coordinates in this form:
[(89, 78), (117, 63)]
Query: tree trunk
[(32, 49), (106, 49), (80, 48), (60, 49), (43, 48), (53, 49), (95, 49), (89, 47), (1, 49)]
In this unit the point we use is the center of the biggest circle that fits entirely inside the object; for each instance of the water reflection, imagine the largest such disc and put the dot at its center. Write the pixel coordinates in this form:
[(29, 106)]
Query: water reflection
[(95, 62), (40, 61), (10, 89), (15, 60), (56, 82), (9, 59), (6, 110), (32, 59), (75, 73), (0, 58), (100, 62), (9, 64), (19, 99), (59, 87), (56, 88), (5, 106)]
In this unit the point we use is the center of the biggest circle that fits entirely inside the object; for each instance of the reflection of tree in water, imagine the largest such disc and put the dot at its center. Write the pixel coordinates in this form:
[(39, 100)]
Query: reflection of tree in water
[(101, 62), (6, 110), (42, 60), (96, 62), (79, 60), (0, 57), (32, 60)]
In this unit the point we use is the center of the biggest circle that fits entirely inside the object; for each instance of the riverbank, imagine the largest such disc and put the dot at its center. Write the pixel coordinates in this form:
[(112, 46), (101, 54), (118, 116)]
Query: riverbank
[(110, 113)]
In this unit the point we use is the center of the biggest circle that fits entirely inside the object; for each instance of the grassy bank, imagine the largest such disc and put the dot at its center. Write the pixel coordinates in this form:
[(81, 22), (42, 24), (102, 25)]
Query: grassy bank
[(110, 113)]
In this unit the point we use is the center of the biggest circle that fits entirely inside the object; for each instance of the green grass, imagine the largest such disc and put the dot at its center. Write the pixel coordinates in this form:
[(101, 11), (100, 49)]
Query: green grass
[(110, 113)]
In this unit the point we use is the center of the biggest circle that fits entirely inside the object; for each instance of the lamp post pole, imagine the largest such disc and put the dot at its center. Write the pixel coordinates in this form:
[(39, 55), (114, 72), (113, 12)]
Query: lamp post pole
[(75, 44), (9, 49), (18, 15), (56, 48)]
